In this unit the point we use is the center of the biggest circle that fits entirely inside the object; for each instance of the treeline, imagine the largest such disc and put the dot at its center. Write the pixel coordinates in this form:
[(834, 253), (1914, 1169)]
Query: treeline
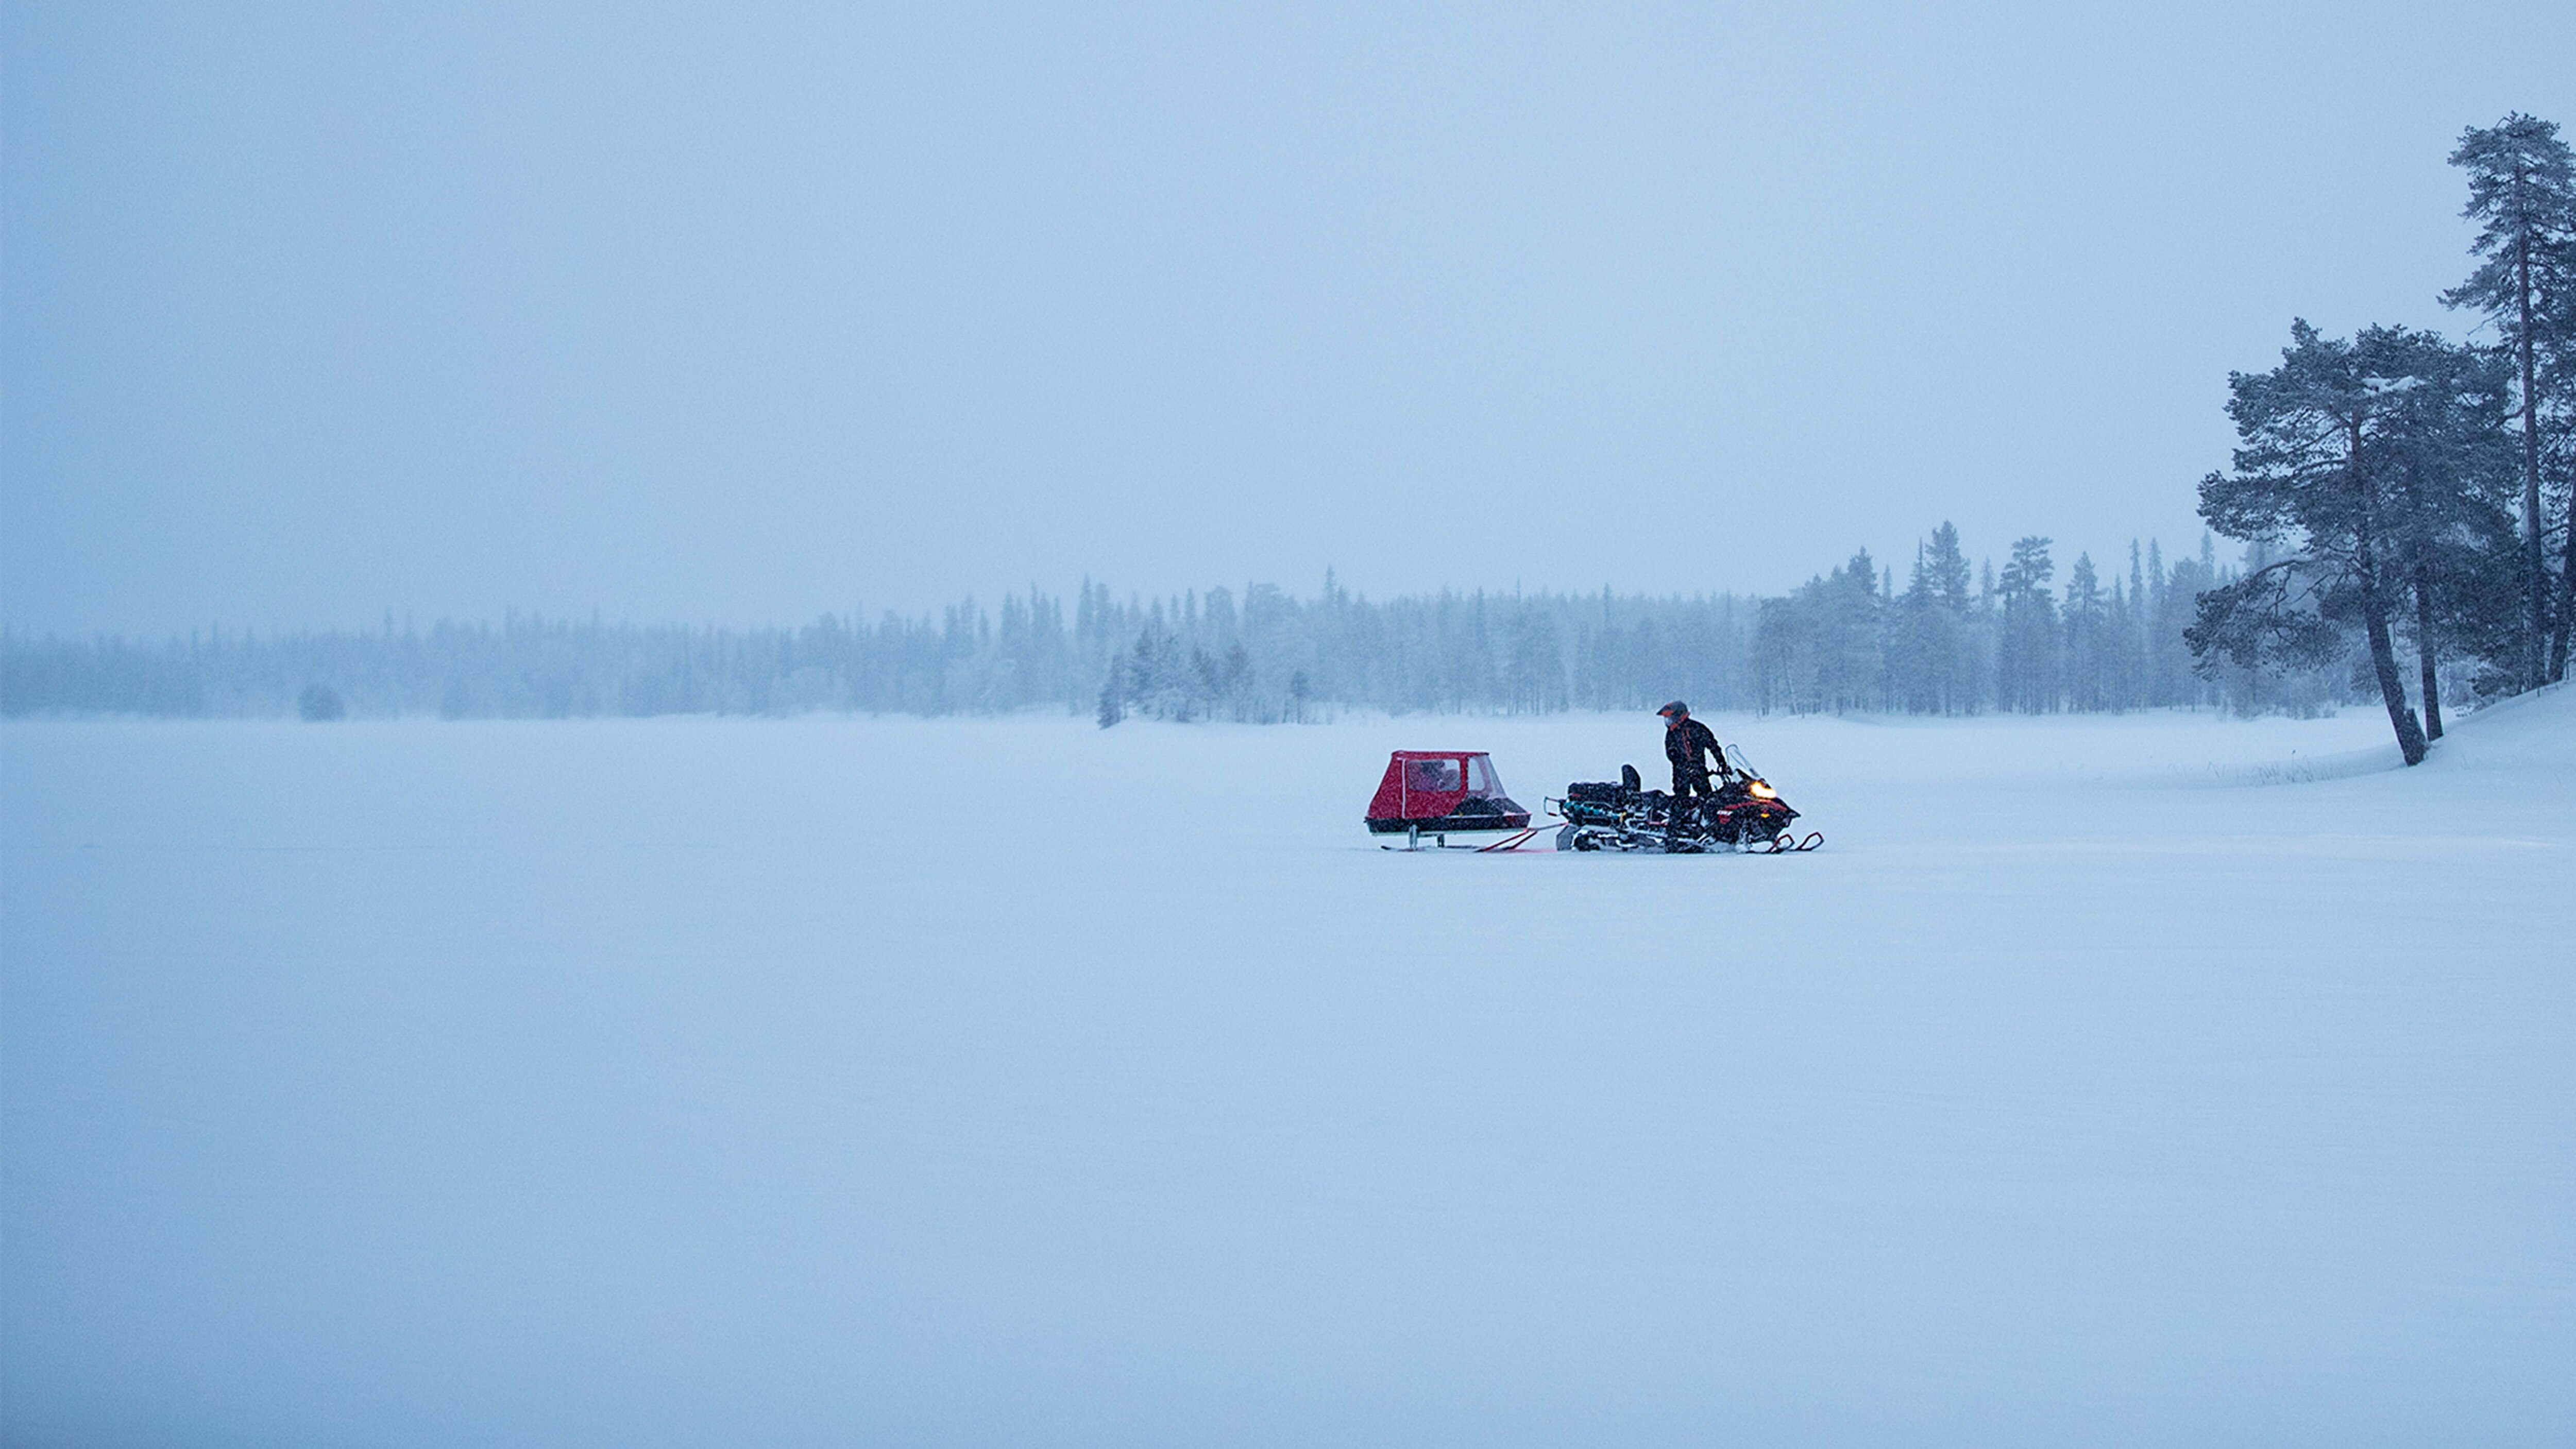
[(1263, 655), (1274, 657), (1950, 641), (2414, 491), (1953, 642)]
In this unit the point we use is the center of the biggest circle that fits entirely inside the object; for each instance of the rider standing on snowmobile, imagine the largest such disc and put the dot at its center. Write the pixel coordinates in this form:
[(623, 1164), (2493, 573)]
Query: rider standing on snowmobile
[(1684, 741)]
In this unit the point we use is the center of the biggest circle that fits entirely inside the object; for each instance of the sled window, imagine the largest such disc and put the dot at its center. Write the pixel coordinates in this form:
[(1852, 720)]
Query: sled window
[(1431, 775), (1480, 777)]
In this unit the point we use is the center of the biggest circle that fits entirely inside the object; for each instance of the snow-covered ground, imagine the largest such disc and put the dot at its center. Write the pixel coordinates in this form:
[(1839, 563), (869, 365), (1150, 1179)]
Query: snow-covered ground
[(2154, 1080)]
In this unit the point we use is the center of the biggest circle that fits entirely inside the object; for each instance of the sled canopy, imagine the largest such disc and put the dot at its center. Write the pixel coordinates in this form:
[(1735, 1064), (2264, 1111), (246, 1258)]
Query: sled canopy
[(1444, 791)]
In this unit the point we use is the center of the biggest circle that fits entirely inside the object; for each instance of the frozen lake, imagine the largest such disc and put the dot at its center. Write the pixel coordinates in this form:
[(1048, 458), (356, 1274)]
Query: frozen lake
[(2149, 1080)]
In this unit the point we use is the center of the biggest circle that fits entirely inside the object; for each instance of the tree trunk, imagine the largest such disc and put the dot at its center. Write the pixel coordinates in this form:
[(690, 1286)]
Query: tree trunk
[(2392, 688), (2566, 592), (2535, 554), (2427, 654), (2374, 612)]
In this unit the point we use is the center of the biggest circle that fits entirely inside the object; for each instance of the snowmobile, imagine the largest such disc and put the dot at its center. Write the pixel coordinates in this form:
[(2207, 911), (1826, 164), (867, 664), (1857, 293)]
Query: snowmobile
[(1743, 814), (1434, 794)]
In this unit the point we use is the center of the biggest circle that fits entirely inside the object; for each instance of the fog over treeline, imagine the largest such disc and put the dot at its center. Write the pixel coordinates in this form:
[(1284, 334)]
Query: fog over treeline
[(1940, 636)]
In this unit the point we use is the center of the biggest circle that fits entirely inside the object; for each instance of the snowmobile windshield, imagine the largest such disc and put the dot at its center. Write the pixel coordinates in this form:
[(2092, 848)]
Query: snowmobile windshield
[(1736, 761)]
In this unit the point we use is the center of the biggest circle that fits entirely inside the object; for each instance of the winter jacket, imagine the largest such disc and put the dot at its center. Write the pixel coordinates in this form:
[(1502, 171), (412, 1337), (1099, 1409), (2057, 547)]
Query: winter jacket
[(1682, 746)]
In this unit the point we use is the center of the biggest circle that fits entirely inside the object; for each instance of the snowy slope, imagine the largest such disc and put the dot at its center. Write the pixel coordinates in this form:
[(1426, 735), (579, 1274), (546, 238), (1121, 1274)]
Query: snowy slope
[(2153, 1080), (2535, 734)]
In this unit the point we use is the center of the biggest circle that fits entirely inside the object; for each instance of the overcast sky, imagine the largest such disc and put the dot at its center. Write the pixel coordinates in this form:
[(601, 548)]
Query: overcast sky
[(740, 313)]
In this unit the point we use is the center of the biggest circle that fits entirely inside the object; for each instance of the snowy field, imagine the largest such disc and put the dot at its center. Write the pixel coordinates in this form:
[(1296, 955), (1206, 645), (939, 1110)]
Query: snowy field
[(2134, 1081)]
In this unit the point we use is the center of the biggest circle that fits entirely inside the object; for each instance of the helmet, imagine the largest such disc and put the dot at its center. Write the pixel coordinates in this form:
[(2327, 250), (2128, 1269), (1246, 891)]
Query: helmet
[(1674, 710)]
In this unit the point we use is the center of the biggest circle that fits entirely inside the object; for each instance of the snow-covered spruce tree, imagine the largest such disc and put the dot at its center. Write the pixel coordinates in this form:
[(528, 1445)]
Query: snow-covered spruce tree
[(1947, 577), (1113, 695), (2329, 443), (1918, 640), (2026, 638), (2087, 623), (1535, 676), (2127, 651), (1821, 648), (1786, 673), (2522, 190)]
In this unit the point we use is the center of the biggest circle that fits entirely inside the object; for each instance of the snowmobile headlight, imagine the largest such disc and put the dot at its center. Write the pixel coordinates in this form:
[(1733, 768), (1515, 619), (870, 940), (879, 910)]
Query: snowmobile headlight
[(1761, 791)]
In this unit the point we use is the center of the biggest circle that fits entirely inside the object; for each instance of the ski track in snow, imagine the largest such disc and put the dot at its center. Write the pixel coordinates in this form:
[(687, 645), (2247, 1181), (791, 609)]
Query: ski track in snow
[(2142, 1080)]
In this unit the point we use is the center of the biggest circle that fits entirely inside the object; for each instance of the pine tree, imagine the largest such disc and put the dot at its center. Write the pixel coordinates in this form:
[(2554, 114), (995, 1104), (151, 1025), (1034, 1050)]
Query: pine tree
[(2451, 523), (2324, 443), (2522, 190)]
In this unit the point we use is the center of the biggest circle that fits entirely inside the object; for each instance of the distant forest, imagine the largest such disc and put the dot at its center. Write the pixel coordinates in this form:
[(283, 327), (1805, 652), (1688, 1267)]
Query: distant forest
[(1947, 639)]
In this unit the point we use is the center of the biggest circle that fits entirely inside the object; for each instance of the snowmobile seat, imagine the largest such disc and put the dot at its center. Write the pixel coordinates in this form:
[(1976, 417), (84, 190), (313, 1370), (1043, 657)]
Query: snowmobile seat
[(1604, 793)]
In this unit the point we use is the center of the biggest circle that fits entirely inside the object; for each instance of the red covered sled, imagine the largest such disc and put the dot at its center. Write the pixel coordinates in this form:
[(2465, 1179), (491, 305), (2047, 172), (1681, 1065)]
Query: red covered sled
[(1440, 793)]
